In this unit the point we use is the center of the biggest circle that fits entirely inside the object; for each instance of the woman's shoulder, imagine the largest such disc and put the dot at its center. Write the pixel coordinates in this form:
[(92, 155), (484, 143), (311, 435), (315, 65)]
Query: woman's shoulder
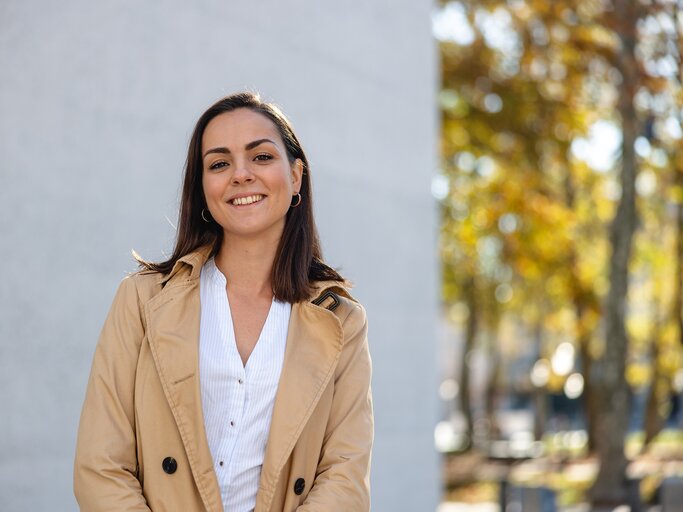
[(336, 296), (142, 283)]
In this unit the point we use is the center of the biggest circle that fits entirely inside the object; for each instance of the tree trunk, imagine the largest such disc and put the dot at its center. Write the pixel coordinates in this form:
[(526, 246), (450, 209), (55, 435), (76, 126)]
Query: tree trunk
[(659, 388), (610, 487), (589, 398), (492, 385), (540, 394), (654, 421), (470, 337)]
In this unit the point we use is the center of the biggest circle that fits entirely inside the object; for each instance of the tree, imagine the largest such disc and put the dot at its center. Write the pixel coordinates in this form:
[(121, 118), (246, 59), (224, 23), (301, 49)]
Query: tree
[(613, 391)]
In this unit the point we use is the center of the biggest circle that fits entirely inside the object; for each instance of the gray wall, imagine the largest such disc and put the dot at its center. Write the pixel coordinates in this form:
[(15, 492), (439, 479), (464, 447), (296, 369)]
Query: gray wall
[(97, 101)]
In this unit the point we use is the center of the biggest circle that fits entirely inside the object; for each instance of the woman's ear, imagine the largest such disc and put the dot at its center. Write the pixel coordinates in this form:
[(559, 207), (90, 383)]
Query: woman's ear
[(297, 172)]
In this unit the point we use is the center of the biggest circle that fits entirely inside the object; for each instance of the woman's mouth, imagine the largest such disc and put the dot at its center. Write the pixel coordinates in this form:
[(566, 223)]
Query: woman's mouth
[(244, 201)]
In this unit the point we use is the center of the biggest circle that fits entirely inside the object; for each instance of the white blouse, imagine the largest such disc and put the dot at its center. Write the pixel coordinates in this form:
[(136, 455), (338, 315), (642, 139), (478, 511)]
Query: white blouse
[(237, 400)]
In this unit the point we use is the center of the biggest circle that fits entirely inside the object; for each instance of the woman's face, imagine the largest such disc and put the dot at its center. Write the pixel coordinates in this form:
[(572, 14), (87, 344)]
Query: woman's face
[(247, 179)]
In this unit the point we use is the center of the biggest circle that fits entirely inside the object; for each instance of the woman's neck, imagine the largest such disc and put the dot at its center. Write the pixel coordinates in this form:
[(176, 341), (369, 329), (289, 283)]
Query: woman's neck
[(247, 264)]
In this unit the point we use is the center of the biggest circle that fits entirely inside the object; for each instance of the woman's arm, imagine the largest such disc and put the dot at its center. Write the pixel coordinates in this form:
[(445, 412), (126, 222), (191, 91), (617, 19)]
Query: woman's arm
[(343, 478), (105, 469)]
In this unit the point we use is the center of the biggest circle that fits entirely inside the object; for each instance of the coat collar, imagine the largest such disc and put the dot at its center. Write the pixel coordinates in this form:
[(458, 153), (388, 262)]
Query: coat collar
[(191, 265), (313, 347)]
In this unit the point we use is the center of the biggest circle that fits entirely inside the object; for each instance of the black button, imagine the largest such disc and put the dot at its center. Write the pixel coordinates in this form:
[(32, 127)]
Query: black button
[(170, 465), (299, 486)]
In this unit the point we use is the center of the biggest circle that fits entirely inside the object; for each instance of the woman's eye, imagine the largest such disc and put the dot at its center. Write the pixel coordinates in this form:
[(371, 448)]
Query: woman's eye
[(218, 165), (263, 156)]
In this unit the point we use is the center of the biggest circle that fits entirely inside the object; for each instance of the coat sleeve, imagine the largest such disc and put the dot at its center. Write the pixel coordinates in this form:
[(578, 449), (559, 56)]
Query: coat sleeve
[(105, 468), (342, 480)]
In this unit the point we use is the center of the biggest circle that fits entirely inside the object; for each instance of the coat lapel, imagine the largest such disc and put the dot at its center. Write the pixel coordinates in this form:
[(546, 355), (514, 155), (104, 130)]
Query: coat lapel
[(314, 342), (173, 332)]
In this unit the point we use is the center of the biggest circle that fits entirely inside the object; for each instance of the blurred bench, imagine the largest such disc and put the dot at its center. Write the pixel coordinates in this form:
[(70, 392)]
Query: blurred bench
[(515, 498)]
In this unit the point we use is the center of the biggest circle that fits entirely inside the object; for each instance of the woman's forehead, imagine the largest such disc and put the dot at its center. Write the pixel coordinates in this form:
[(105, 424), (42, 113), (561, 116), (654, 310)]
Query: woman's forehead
[(239, 127)]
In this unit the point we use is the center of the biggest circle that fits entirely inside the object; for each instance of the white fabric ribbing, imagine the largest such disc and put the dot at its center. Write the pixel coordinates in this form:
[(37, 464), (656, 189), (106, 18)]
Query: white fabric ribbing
[(237, 400)]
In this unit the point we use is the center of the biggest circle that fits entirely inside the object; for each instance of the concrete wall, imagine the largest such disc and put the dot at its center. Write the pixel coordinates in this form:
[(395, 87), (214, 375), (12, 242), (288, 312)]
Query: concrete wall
[(97, 100)]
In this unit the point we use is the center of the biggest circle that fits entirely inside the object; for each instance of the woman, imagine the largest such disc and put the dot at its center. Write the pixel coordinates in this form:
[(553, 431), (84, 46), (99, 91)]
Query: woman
[(235, 375)]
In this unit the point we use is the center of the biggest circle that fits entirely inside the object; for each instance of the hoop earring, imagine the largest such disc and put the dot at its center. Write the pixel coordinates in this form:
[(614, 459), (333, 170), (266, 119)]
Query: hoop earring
[(298, 202), (203, 217)]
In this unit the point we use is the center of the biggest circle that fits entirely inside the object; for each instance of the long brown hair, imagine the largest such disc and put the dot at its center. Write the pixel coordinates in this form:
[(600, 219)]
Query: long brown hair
[(298, 261)]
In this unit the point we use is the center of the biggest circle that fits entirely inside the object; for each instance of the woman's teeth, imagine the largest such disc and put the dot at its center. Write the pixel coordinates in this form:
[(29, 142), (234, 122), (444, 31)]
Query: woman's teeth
[(247, 200)]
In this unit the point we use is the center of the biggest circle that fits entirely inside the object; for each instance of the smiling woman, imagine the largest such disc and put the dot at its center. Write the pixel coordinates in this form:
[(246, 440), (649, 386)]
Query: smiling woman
[(236, 374), (298, 260)]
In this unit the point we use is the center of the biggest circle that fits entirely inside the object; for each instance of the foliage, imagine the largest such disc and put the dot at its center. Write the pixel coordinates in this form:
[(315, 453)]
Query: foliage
[(530, 164)]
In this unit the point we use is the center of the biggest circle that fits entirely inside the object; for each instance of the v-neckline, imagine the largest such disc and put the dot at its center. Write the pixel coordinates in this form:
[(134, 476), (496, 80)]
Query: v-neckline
[(233, 335), (221, 280)]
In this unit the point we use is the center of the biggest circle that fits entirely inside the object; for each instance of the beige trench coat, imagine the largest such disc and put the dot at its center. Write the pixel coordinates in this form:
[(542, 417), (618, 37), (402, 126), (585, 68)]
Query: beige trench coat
[(143, 405)]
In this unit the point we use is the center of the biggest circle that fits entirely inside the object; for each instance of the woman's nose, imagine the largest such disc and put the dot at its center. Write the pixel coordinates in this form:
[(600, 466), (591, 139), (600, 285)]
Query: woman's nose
[(241, 174)]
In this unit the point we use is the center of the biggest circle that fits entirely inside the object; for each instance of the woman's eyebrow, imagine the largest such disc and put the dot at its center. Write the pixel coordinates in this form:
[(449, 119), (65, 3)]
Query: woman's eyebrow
[(225, 150)]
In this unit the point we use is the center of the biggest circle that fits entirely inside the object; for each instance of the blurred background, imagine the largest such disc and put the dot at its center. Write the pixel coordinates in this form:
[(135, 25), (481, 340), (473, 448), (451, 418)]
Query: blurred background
[(502, 179), (561, 192)]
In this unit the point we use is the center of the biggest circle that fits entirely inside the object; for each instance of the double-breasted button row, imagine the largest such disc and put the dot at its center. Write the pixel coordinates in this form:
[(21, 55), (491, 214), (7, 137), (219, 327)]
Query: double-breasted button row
[(169, 465)]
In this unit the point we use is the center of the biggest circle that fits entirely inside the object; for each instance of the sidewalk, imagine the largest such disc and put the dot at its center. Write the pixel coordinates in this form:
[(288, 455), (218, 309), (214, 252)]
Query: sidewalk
[(494, 507)]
